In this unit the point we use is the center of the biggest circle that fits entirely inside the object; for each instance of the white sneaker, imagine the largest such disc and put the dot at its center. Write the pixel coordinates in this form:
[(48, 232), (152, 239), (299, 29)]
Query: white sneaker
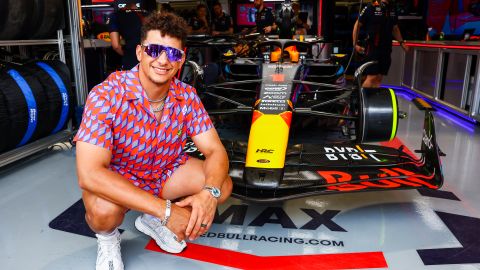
[(109, 256), (164, 238)]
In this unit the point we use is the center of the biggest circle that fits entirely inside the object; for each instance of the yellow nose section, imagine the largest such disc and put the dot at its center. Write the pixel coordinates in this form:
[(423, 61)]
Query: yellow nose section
[(267, 143)]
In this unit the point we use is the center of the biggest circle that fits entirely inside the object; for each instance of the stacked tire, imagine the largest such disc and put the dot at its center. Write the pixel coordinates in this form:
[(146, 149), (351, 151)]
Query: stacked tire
[(30, 19), (36, 100)]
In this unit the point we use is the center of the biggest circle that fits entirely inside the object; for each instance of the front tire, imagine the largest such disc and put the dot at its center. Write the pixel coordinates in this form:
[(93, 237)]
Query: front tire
[(378, 115)]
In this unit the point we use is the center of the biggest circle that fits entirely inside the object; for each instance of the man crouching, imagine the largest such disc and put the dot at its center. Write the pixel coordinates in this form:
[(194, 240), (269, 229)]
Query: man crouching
[(130, 149)]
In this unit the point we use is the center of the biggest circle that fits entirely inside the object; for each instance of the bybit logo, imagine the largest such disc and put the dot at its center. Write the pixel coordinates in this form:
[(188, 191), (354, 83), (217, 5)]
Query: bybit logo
[(349, 153)]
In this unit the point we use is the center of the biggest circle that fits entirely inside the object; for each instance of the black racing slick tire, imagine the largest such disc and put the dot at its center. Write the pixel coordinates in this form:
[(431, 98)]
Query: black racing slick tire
[(3, 13), (4, 121), (38, 95), (17, 18), (378, 115), (16, 108), (54, 77), (36, 100), (50, 18)]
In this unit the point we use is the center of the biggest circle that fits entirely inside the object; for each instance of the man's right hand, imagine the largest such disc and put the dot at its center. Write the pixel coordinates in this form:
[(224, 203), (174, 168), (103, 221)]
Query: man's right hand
[(178, 221), (359, 49)]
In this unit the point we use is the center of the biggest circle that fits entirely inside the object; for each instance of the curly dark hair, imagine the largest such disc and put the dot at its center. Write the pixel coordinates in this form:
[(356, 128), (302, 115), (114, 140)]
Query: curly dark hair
[(168, 24), (199, 6)]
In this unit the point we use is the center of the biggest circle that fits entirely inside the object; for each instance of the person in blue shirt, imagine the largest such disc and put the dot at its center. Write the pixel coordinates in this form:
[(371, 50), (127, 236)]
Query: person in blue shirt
[(222, 24), (126, 24), (199, 23), (264, 18)]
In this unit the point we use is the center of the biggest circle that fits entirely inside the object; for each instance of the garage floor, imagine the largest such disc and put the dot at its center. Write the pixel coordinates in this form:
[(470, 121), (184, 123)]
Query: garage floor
[(43, 228)]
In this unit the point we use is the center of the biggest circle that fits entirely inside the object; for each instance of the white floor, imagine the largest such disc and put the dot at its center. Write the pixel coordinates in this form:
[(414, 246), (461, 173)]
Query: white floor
[(378, 229)]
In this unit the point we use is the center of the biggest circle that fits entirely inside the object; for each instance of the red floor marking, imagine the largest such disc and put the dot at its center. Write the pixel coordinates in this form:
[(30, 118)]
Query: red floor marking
[(246, 261), (396, 143)]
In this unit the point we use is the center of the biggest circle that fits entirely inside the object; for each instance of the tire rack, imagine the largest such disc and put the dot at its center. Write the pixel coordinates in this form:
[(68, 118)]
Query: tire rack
[(60, 41), (79, 75)]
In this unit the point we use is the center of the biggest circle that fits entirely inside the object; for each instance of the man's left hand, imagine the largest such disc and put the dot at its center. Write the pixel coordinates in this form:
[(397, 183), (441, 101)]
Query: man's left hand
[(267, 29), (203, 206), (404, 47)]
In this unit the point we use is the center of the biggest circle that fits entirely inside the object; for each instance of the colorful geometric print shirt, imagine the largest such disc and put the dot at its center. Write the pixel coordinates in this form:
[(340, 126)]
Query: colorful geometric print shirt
[(146, 151)]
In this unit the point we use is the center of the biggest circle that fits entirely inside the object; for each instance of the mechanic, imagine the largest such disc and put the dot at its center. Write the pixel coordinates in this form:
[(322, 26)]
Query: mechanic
[(126, 24), (301, 26), (378, 21), (130, 149), (222, 23), (199, 24), (264, 19)]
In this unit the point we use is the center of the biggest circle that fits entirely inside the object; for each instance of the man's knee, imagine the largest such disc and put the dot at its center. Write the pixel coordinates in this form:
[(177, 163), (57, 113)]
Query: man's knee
[(103, 216)]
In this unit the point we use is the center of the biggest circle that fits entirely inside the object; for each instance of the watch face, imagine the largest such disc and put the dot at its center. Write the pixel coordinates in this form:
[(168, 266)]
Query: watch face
[(215, 192)]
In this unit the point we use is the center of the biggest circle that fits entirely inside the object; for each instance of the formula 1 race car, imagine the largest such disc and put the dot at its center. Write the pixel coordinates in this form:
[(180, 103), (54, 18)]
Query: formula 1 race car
[(292, 128)]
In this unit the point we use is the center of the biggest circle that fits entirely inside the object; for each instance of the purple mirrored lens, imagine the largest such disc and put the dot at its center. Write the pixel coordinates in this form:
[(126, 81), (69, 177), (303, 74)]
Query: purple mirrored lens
[(174, 54), (154, 50)]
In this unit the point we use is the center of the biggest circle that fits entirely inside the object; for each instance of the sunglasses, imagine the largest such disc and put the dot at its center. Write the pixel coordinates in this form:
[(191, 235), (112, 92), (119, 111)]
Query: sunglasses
[(155, 50)]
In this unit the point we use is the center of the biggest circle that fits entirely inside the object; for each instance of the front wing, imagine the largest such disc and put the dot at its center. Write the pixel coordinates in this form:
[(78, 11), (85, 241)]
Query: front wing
[(314, 169)]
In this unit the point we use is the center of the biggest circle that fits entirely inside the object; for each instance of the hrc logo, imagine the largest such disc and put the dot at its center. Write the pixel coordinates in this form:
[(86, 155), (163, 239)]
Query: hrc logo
[(266, 151)]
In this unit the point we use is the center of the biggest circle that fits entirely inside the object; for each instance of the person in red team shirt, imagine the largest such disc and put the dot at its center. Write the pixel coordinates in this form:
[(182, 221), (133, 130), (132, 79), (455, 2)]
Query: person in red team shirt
[(130, 149)]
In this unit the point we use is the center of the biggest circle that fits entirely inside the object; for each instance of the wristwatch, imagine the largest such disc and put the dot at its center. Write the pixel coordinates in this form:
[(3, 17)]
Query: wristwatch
[(216, 193)]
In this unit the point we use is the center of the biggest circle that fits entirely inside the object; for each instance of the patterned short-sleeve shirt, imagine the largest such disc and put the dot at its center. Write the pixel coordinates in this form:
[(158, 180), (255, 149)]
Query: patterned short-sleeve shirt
[(117, 116)]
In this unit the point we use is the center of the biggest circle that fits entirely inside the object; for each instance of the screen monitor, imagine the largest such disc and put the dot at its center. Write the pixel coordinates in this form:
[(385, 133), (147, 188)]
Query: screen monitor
[(246, 13)]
